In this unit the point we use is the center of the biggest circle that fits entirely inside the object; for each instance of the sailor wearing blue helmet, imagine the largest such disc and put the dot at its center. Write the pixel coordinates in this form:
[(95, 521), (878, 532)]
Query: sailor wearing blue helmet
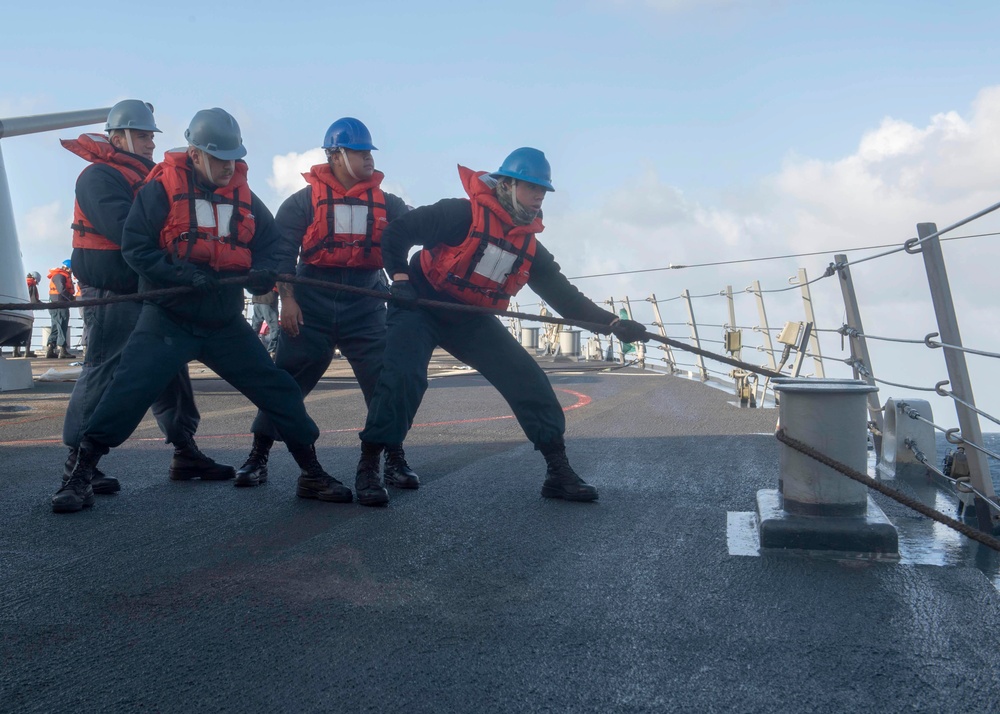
[(479, 250)]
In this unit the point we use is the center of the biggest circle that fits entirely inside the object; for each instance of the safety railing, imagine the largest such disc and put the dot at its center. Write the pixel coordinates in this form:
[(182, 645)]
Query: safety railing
[(738, 323)]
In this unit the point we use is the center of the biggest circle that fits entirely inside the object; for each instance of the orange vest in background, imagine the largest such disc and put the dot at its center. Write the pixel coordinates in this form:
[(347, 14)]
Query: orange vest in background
[(53, 289)]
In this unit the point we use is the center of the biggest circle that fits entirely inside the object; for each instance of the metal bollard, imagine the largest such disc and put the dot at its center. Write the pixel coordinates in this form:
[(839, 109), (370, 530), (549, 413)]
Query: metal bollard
[(817, 507), (569, 343), (832, 419), (529, 338)]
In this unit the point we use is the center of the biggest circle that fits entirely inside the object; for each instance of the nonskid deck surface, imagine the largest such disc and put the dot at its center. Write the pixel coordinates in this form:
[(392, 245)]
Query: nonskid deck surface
[(472, 593)]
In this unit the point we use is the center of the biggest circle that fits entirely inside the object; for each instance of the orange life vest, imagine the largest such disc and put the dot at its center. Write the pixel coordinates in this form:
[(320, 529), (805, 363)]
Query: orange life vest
[(346, 231), (212, 228), (493, 262), (53, 290), (96, 149)]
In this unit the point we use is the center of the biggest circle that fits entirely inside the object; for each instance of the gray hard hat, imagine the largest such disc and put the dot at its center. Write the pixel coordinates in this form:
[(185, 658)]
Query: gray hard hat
[(131, 114), (216, 132)]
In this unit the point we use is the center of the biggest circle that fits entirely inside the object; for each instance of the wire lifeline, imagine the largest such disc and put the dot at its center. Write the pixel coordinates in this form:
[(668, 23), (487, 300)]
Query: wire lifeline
[(384, 295), (979, 214), (939, 388), (951, 435), (928, 340), (896, 249), (987, 540), (848, 331), (961, 486), (860, 366), (934, 344)]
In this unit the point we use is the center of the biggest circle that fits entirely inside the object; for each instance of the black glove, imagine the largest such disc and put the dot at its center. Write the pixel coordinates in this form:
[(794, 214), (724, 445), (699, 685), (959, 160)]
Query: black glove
[(204, 283), (403, 294), (629, 331), (260, 281)]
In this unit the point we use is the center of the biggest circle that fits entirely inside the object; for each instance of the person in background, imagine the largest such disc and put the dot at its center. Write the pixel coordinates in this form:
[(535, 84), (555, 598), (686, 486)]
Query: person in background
[(118, 163), (479, 250), (32, 279), (61, 292), (194, 222), (265, 312), (334, 226)]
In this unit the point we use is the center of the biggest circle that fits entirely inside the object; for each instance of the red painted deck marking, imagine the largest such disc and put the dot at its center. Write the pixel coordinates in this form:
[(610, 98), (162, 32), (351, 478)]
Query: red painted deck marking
[(582, 400)]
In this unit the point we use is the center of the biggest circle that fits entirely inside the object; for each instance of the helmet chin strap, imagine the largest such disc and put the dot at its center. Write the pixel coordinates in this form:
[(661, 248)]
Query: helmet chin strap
[(513, 196), (208, 167), (347, 164), (128, 140)]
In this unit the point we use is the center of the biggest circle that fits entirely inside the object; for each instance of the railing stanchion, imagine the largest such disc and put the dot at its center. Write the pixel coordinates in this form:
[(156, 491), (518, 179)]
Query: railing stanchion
[(640, 347), (859, 347), (671, 365), (807, 304), (694, 334), (958, 372), (766, 332)]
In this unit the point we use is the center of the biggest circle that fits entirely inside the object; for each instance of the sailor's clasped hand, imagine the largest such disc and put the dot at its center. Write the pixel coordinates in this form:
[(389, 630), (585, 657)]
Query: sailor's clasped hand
[(403, 294), (204, 283), (629, 331), (260, 281)]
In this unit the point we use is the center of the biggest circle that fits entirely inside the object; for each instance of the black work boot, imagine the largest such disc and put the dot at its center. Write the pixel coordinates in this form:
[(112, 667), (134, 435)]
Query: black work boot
[(316, 483), (561, 481), (17, 351), (50, 352), (76, 493), (253, 472), (189, 463), (396, 471), (100, 482), (368, 482), (65, 353)]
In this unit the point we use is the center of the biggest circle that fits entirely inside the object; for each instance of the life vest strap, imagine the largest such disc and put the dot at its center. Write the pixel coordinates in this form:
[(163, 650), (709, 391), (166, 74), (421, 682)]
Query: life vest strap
[(492, 293)]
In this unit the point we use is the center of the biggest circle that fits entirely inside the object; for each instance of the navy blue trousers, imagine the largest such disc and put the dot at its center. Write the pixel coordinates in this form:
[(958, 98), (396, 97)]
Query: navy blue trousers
[(479, 341), (262, 312), (110, 328), (353, 324), (160, 346), (59, 332)]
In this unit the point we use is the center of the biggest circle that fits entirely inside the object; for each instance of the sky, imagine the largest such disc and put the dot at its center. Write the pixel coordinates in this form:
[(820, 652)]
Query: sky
[(679, 132)]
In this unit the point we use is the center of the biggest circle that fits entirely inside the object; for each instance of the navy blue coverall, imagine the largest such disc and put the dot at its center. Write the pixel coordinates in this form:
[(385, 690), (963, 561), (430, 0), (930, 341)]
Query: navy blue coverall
[(353, 323), (105, 198), (480, 341), (209, 327)]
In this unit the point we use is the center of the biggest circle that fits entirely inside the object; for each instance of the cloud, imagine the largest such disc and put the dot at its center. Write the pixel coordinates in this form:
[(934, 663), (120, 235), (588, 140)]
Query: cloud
[(287, 169), (44, 233), (899, 174)]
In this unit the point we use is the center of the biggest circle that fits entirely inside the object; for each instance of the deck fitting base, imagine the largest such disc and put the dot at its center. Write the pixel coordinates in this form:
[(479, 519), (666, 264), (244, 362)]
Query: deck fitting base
[(872, 533), (15, 374)]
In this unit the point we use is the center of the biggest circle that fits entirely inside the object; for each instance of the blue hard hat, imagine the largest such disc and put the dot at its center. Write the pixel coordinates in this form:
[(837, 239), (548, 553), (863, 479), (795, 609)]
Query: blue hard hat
[(527, 164), (67, 264), (216, 132), (131, 114), (348, 133)]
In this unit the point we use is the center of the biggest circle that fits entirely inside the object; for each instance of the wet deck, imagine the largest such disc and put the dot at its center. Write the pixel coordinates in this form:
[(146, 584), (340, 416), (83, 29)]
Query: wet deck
[(473, 593)]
